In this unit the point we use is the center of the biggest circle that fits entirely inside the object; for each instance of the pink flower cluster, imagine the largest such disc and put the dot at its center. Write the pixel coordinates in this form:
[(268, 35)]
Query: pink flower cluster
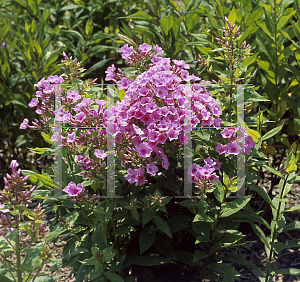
[(46, 91), (232, 147), (151, 115)]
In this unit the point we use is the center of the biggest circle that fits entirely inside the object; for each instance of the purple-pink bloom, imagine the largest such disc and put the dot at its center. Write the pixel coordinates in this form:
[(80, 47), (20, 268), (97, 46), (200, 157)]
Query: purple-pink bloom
[(80, 117), (145, 48), (249, 141), (234, 148), (71, 137), (158, 50), (124, 83), (144, 150), (172, 134), (3, 44), (24, 124), (132, 175), (56, 137), (72, 189), (73, 95), (151, 168), (227, 133), (206, 171), (100, 154), (55, 79), (110, 73), (140, 179), (14, 164), (222, 149), (34, 102), (218, 165)]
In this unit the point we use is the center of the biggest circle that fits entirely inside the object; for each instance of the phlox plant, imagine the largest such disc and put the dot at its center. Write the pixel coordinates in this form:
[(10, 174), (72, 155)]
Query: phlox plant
[(113, 239), (21, 262)]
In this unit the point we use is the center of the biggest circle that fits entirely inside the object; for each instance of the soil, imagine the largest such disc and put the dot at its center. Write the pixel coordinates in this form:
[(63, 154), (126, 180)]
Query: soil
[(287, 258)]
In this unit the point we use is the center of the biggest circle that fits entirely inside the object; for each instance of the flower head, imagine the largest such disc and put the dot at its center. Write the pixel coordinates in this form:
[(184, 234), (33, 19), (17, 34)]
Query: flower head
[(73, 190)]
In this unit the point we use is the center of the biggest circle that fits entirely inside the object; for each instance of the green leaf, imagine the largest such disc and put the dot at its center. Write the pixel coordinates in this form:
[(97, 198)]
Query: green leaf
[(282, 21), (139, 16), (135, 214), (261, 192), (232, 16), (31, 4), (254, 134), (25, 267), (145, 260), (255, 15), (273, 170), (260, 40), (272, 132), (230, 208), (47, 138), (148, 214), (162, 225), (222, 268), (73, 33), (113, 277), (4, 278), (166, 24), (97, 66), (199, 255), (260, 235), (229, 275), (147, 238), (291, 271), (3, 31)]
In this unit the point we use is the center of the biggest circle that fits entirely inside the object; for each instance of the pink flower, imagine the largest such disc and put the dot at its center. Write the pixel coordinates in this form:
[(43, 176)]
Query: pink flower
[(151, 168), (71, 137), (144, 150), (56, 137), (234, 148), (34, 102), (249, 141), (140, 179), (132, 175), (206, 171), (24, 124), (72, 189), (222, 149), (100, 154), (73, 95), (80, 117), (158, 50), (14, 164), (217, 165), (172, 134), (227, 133), (145, 48)]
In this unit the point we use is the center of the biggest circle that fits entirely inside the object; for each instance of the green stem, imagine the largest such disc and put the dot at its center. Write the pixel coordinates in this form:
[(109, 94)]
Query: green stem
[(71, 166), (274, 231), (209, 246)]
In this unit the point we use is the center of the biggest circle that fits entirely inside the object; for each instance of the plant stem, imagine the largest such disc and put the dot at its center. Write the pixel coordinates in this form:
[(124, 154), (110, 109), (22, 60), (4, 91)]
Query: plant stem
[(274, 231), (209, 246)]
